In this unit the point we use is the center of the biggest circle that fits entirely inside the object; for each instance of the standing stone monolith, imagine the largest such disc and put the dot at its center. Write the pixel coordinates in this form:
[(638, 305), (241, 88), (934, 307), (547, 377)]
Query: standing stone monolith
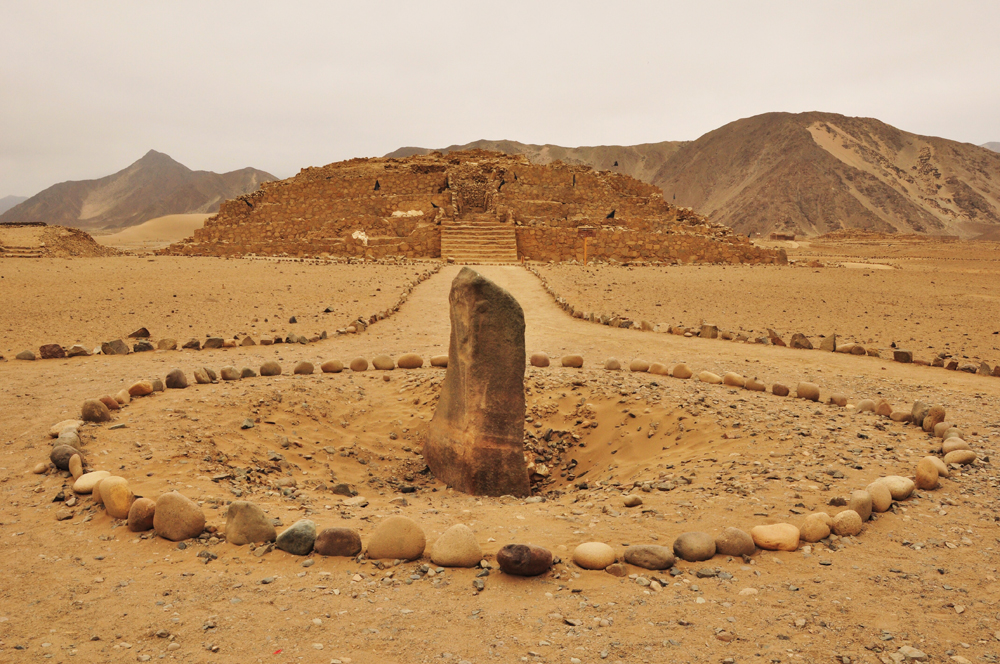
[(476, 437)]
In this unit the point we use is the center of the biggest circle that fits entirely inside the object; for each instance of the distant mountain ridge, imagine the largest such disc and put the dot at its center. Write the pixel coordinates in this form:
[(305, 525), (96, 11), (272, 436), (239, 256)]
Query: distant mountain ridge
[(807, 173), (638, 161), (992, 145), (7, 202), (153, 186)]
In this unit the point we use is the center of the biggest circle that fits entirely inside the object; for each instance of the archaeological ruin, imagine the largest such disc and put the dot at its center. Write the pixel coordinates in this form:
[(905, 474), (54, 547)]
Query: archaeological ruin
[(473, 206)]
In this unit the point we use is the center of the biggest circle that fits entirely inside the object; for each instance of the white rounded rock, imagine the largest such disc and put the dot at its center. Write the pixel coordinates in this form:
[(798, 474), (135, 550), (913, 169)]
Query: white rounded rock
[(776, 537), (847, 523), (457, 547), (86, 482), (593, 555)]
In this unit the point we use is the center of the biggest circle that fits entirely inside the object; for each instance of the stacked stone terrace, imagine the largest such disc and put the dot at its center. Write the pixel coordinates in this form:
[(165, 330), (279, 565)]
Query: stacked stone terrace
[(378, 208)]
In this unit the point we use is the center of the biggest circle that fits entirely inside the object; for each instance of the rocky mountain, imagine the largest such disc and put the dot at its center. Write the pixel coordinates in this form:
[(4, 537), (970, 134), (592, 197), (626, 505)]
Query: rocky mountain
[(992, 145), (808, 173), (154, 186), (812, 173), (7, 202), (637, 161)]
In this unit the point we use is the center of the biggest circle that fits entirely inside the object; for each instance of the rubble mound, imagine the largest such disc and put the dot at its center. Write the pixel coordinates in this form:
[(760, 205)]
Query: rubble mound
[(376, 208), (41, 241)]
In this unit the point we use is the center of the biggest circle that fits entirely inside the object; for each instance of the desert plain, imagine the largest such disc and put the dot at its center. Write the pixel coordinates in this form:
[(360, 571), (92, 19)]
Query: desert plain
[(920, 577)]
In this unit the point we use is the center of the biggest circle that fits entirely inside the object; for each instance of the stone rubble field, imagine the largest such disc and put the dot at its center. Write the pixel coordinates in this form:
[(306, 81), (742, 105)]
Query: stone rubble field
[(624, 463)]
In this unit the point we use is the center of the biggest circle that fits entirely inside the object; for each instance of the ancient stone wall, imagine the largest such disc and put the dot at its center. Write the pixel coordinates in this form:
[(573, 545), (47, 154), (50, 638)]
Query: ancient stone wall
[(624, 245), (394, 207)]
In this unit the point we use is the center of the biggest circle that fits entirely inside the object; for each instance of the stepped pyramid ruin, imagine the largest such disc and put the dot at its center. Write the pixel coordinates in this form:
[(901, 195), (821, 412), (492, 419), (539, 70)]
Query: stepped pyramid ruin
[(473, 207)]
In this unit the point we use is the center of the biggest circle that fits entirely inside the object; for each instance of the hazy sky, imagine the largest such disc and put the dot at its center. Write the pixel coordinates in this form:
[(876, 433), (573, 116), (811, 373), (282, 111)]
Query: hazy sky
[(89, 87)]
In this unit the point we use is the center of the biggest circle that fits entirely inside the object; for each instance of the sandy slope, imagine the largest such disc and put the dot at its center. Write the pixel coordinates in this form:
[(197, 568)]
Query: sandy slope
[(923, 575), (155, 233)]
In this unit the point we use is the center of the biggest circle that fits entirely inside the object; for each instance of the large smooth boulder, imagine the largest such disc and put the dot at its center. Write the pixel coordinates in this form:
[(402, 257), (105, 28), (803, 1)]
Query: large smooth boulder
[(809, 391), (410, 361), (524, 560), (640, 366), (86, 482), (899, 487), (117, 496), (881, 497), (61, 454), (298, 538), (229, 373), (927, 474), (397, 538), (176, 380), (475, 441), (776, 537), (56, 429), (94, 410), (861, 502), (815, 527), (572, 361), (649, 556), (246, 523), (846, 523), (594, 555), (140, 515), (270, 368), (681, 371), (734, 542), (338, 542), (539, 360), (140, 388), (457, 547), (694, 546), (332, 366), (177, 517)]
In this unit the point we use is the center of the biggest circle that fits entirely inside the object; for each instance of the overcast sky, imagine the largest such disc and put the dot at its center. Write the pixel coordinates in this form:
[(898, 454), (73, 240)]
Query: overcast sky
[(88, 87)]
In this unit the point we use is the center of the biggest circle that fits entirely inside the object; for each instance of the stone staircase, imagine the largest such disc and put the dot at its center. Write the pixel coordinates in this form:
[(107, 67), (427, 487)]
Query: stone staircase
[(10, 251), (478, 238)]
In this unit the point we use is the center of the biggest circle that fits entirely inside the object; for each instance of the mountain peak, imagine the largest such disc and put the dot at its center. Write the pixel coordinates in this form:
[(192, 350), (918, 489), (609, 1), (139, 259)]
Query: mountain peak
[(154, 157), (153, 186)]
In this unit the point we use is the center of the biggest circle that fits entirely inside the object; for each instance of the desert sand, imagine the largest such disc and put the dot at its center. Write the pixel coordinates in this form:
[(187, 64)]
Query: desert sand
[(155, 233), (927, 297), (922, 575)]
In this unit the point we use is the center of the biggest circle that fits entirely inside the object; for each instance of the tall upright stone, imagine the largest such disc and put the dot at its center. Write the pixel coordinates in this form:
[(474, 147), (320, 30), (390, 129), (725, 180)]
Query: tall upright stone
[(476, 437)]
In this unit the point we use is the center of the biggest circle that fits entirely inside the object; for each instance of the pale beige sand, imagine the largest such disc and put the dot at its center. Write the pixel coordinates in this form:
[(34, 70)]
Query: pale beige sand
[(88, 301), (155, 233), (942, 298), (750, 458)]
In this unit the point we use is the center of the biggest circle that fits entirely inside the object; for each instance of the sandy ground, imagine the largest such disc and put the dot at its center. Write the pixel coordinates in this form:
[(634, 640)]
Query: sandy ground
[(86, 589), (934, 298), (155, 233), (88, 301)]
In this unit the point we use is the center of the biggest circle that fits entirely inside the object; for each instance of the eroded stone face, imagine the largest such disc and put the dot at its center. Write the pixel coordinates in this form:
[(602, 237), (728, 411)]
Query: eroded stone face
[(476, 438)]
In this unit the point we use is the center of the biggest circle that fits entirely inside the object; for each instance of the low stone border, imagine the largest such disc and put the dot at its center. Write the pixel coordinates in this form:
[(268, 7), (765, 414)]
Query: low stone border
[(142, 342), (798, 340), (174, 517)]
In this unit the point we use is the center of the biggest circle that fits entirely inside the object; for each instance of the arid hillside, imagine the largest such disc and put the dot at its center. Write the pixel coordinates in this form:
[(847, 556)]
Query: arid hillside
[(638, 161), (154, 186), (807, 173), (811, 173)]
